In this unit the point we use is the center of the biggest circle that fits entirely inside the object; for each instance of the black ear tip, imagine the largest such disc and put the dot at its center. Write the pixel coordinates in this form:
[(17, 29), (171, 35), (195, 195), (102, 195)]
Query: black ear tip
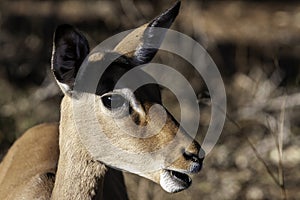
[(63, 29), (165, 19), (175, 8)]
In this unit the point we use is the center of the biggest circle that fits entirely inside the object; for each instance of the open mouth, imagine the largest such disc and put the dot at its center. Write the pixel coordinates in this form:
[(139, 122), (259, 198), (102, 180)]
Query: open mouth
[(174, 181), (181, 177)]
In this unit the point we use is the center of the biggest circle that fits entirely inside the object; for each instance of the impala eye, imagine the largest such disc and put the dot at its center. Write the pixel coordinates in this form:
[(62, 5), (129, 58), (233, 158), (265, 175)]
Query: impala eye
[(113, 101)]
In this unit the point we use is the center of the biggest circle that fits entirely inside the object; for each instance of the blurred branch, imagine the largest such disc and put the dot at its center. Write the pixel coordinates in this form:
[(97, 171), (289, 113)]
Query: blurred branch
[(280, 180), (292, 100), (280, 153), (254, 149), (261, 159), (261, 88)]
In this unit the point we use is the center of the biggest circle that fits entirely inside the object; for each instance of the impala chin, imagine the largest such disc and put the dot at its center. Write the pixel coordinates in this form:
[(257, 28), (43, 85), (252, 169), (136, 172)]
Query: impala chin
[(174, 181)]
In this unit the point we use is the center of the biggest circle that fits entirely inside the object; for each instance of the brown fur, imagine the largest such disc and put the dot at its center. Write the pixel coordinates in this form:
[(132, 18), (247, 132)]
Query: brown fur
[(74, 160), (27, 170), (34, 179)]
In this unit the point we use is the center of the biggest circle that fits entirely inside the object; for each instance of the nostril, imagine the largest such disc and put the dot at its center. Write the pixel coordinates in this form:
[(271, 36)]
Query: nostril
[(193, 157)]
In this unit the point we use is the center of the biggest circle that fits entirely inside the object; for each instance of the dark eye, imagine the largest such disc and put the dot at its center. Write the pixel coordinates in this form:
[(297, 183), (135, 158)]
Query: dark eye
[(113, 101)]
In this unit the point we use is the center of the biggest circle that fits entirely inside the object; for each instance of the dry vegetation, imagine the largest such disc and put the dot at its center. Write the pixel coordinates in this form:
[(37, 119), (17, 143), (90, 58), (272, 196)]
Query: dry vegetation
[(255, 44)]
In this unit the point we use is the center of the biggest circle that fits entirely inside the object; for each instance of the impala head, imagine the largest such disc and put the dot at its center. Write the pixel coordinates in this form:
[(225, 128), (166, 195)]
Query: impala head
[(127, 117)]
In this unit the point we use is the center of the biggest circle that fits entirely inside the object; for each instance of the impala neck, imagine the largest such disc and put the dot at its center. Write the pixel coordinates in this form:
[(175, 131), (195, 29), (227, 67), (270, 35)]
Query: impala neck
[(78, 176)]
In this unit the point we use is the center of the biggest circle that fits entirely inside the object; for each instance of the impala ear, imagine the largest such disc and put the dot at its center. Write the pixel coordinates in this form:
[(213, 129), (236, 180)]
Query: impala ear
[(70, 48), (146, 40)]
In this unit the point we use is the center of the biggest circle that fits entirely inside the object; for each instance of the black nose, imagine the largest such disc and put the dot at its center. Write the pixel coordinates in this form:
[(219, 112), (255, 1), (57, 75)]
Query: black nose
[(197, 161)]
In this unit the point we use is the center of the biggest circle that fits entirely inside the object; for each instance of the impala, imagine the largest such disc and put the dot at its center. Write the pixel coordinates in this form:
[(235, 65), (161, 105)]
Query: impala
[(48, 162)]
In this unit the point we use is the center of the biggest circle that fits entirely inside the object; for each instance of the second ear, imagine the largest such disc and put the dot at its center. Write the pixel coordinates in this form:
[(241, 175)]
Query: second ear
[(70, 48)]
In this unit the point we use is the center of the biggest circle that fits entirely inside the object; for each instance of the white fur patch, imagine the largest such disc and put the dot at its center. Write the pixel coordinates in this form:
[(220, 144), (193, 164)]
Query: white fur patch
[(95, 57), (64, 87), (168, 184)]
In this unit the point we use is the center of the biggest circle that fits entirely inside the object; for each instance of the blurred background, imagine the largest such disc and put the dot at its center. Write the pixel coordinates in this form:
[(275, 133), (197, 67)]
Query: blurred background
[(255, 45)]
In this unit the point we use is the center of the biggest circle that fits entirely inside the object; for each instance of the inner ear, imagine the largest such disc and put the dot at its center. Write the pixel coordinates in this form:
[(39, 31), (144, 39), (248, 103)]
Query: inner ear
[(70, 48)]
